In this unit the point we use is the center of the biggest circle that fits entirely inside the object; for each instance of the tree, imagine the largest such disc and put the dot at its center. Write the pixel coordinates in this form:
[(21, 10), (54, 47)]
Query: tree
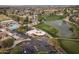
[(42, 12), (26, 20), (22, 29), (8, 42), (51, 14), (16, 50), (41, 18)]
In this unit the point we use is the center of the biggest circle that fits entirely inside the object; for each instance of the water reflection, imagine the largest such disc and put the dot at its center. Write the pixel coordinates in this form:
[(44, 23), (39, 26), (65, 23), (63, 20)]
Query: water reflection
[(63, 27)]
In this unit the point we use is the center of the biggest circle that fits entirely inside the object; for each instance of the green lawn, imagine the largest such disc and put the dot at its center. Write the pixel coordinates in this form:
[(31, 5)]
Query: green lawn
[(52, 31), (55, 17), (52, 17), (71, 47)]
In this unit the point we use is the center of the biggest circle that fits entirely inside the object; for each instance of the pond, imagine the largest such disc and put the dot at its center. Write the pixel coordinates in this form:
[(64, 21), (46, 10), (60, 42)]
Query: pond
[(62, 27), (70, 46), (14, 26)]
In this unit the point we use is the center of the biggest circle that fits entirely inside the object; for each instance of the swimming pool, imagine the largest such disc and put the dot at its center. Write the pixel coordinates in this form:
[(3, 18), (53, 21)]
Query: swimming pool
[(14, 26)]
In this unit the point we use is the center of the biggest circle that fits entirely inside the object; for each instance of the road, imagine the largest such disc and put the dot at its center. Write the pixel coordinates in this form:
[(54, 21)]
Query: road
[(71, 39), (17, 37), (19, 41)]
